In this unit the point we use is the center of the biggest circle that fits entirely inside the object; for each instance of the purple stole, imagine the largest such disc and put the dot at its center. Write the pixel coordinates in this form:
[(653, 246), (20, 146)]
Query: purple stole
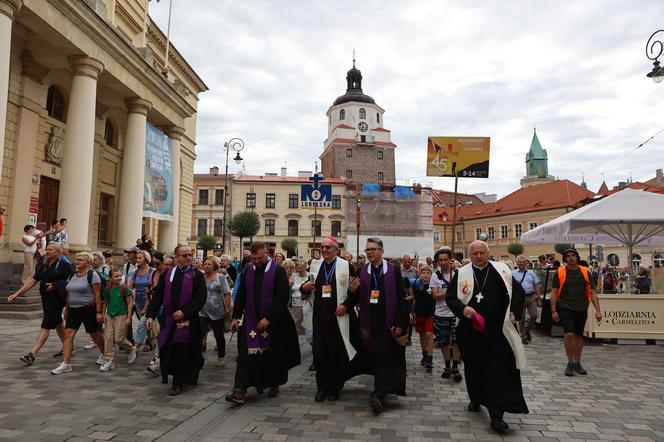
[(258, 340), (181, 335), (390, 294)]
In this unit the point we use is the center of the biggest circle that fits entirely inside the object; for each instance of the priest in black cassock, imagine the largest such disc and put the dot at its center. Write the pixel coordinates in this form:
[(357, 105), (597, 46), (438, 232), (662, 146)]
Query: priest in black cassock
[(267, 341), (383, 322), (182, 293), (338, 352), (488, 301)]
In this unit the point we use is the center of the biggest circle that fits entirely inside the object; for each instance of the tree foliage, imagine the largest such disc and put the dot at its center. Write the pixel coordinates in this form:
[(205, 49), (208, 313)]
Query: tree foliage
[(244, 225), (289, 245), (206, 242), (515, 249)]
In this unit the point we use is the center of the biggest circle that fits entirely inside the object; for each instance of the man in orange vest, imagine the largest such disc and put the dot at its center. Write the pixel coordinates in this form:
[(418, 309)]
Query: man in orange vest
[(573, 290)]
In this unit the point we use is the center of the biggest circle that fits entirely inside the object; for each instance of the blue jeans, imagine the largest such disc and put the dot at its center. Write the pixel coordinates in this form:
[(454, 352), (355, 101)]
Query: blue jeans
[(142, 331)]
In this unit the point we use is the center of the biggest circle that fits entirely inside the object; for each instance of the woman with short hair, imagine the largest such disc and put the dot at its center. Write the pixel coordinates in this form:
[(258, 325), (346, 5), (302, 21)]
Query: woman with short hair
[(139, 283), (217, 306)]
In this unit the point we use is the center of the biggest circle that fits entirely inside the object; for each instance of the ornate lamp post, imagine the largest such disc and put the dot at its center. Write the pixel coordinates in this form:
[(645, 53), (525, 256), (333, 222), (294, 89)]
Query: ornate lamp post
[(654, 49), (235, 144)]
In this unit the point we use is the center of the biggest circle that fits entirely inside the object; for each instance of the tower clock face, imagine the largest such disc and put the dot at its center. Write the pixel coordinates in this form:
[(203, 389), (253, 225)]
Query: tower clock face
[(363, 126)]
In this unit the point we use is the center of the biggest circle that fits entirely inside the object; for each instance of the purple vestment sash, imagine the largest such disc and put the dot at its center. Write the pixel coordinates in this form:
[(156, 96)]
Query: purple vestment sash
[(181, 334), (390, 294), (258, 340)]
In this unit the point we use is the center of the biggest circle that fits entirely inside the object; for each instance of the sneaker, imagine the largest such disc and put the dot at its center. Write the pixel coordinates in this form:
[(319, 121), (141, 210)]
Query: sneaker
[(236, 396), (90, 346), (569, 371), (132, 356), (447, 373), (107, 366), (153, 367), (579, 369), (58, 354), (100, 360), (62, 368), (456, 376), (28, 359), (375, 404), (221, 362)]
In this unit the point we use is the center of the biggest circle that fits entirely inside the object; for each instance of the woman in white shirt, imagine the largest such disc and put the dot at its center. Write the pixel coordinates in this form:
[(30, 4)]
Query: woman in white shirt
[(29, 241)]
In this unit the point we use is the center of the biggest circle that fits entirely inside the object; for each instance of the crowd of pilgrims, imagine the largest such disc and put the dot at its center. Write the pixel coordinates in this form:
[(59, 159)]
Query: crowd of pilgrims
[(358, 315)]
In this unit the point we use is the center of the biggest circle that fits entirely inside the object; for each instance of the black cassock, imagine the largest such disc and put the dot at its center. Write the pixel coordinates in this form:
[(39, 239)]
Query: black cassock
[(269, 368), (182, 361), (492, 378), (333, 368)]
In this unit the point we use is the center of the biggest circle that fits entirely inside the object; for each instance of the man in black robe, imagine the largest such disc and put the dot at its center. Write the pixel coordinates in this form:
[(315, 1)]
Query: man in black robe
[(383, 319), (491, 356), (267, 341), (182, 293), (337, 349)]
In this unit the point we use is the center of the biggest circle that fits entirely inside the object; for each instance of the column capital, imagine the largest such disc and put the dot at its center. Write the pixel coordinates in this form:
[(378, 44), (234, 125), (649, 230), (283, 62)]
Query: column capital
[(10, 7), (86, 66), (174, 132), (136, 105)]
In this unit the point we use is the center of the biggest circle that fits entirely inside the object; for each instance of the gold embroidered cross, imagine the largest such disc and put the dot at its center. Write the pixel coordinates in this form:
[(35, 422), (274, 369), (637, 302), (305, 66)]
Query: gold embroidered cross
[(265, 334), (252, 334)]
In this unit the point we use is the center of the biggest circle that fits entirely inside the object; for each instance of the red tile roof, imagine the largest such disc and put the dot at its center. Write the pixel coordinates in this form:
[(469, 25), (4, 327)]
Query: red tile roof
[(446, 198), (603, 189), (343, 140), (385, 143), (380, 129), (344, 126), (283, 179)]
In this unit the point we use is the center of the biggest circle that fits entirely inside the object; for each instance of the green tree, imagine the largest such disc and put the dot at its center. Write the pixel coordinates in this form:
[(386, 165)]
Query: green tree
[(515, 249), (244, 225), (560, 248), (205, 243), (289, 245)]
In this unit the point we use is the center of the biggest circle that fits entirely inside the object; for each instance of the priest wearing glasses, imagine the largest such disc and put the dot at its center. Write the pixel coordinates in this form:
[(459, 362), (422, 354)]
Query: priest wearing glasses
[(488, 300)]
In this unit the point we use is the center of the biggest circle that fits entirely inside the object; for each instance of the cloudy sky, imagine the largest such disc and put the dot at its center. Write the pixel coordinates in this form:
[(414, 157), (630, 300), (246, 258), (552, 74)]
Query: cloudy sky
[(574, 69)]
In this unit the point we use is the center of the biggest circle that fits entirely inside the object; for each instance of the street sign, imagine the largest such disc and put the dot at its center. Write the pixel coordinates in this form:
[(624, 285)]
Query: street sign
[(316, 195), (471, 155)]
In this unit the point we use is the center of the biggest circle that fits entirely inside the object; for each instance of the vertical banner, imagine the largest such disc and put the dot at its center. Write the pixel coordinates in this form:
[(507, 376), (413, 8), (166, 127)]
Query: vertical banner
[(158, 180)]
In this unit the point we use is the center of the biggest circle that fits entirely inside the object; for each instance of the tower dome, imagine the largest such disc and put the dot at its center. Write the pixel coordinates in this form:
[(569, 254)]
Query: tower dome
[(354, 88)]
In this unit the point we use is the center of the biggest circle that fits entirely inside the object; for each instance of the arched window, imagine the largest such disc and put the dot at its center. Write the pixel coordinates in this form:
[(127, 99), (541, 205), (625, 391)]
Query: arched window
[(342, 114), (55, 103), (363, 114), (636, 260), (109, 133), (378, 117)]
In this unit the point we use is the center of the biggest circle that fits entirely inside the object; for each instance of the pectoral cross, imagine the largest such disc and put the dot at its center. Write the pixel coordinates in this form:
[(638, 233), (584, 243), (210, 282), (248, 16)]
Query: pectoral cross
[(252, 334), (265, 334), (479, 297)]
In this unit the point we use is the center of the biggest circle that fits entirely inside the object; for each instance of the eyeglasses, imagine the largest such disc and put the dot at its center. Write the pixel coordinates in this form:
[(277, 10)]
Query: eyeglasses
[(371, 250), (186, 255)]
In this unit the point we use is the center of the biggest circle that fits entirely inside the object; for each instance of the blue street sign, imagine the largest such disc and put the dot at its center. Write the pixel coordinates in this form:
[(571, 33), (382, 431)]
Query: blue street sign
[(316, 195)]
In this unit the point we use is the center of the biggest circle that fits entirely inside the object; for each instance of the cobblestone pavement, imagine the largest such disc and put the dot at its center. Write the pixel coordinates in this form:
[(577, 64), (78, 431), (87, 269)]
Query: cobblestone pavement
[(621, 399)]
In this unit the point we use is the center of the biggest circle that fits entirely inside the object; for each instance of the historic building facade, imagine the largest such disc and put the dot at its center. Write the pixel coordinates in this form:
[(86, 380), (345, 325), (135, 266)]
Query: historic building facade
[(207, 214)]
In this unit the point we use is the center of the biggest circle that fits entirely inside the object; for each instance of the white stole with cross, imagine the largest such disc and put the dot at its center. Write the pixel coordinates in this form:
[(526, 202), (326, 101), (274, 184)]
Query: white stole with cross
[(342, 276), (465, 286)]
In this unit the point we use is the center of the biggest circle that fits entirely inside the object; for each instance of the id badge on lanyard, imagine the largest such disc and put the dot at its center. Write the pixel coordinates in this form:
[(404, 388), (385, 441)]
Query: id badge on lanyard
[(326, 291)]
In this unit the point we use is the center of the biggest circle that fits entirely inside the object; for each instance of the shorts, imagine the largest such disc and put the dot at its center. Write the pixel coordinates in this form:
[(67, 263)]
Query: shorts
[(424, 324), (573, 321), (445, 331), (52, 305), (83, 315)]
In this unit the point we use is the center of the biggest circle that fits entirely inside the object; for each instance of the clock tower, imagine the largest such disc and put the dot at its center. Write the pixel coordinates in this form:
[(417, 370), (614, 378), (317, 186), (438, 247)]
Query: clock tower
[(357, 147)]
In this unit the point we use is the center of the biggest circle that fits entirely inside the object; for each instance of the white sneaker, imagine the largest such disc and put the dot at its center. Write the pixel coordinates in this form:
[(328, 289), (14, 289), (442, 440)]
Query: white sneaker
[(107, 366), (100, 360), (221, 362), (90, 346), (132, 356), (153, 367), (62, 368)]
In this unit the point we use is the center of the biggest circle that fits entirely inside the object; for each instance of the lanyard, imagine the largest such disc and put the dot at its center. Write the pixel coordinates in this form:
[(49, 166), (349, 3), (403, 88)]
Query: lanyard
[(328, 276), (441, 276), (375, 278)]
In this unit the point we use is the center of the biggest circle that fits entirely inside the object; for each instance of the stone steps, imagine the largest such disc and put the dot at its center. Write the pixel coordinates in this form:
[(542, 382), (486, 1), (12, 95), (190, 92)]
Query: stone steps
[(26, 306)]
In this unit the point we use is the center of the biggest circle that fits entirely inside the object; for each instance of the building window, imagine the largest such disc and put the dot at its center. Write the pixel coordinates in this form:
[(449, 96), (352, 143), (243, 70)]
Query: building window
[(436, 236), (109, 133), (342, 114), (293, 227), (349, 153), (349, 174), (458, 236), (380, 154), (491, 233), (105, 218), (270, 200), (503, 232), (378, 117), (336, 228), (363, 114), (478, 233), (203, 196), (380, 176), (531, 226), (218, 227), (517, 230), (363, 138), (201, 227), (269, 227), (336, 201), (316, 228), (251, 200), (292, 200), (55, 103), (218, 197)]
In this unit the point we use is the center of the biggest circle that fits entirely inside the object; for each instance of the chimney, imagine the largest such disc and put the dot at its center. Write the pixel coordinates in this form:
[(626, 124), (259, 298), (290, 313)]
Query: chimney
[(283, 171), (214, 170), (659, 174)]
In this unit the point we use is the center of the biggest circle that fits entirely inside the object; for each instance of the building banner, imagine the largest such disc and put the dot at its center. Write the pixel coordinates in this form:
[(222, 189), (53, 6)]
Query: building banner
[(158, 180), (471, 155)]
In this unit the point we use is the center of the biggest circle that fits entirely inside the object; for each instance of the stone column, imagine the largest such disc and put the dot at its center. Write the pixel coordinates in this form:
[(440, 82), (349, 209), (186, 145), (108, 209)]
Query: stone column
[(130, 207), (169, 230), (74, 202), (8, 10)]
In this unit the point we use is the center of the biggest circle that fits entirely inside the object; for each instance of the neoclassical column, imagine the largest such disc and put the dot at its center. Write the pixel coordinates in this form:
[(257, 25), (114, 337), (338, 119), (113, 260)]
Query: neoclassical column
[(8, 10), (74, 202), (130, 207), (168, 230)]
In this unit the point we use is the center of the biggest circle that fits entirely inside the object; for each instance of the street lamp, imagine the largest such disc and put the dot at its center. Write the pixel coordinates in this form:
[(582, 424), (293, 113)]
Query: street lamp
[(654, 49), (235, 144)]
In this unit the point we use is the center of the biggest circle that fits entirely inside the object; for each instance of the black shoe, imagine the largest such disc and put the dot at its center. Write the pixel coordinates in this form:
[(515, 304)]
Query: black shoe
[(499, 425), (58, 354), (577, 368), (175, 390), (312, 367), (28, 359), (236, 396), (375, 404), (456, 376), (273, 391), (525, 341), (569, 370), (333, 396), (447, 373), (474, 407), (320, 396)]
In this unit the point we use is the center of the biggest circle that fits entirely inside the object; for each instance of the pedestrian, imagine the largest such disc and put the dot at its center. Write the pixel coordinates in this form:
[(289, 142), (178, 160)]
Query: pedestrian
[(231, 271), (267, 340), (52, 275), (29, 240), (300, 276), (383, 321), (129, 267), (572, 292), (531, 286), (336, 331), (181, 292), (279, 258), (444, 323), (108, 261), (217, 306), (424, 314), (139, 284), (158, 260), (481, 296), (407, 270), (118, 304), (82, 307)]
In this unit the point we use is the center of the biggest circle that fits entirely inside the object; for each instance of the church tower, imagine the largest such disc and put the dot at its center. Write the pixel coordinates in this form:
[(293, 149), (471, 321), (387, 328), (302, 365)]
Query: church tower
[(357, 147), (537, 168)]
